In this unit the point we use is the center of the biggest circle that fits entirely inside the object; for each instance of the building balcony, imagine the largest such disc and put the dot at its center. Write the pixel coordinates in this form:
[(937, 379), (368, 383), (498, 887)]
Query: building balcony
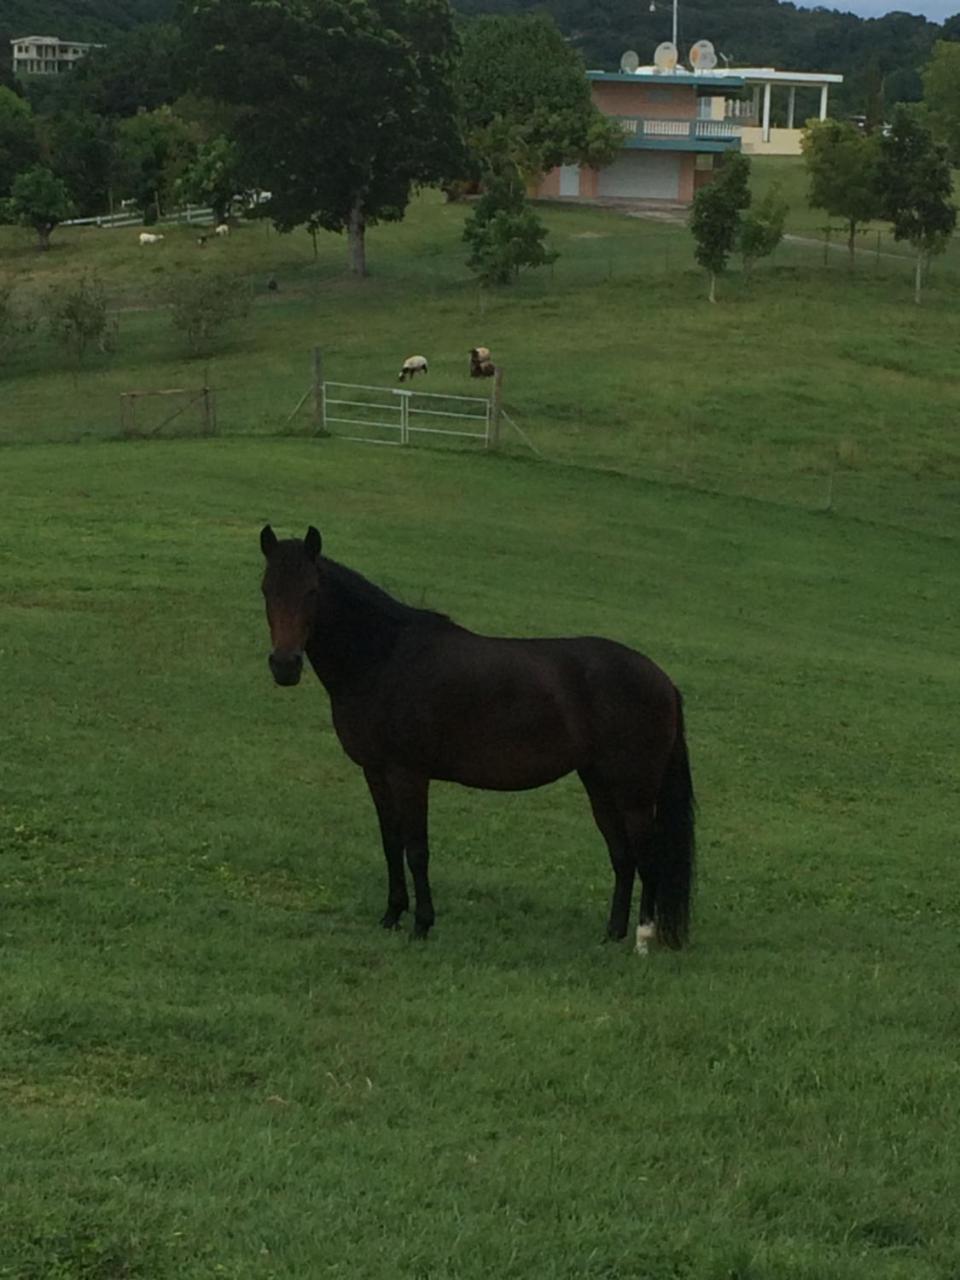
[(679, 135)]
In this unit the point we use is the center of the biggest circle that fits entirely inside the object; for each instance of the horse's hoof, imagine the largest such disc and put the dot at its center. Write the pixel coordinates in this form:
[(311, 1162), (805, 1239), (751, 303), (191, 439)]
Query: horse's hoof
[(391, 920), (420, 932)]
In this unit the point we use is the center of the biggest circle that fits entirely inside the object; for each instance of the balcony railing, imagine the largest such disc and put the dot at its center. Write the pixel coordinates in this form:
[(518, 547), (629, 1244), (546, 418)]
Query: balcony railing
[(695, 130)]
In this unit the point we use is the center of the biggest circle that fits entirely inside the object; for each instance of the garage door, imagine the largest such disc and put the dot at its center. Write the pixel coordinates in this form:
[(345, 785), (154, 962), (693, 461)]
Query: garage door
[(642, 175)]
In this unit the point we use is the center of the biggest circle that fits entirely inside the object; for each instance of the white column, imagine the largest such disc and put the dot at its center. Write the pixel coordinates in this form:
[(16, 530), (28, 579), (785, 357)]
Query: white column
[(823, 102), (791, 103), (766, 112), (756, 102)]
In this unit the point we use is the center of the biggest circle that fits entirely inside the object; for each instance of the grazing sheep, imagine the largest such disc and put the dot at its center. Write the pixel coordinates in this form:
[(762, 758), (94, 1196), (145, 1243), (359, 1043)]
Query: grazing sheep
[(481, 366), (412, 365), (148, 237), (222, 230), (201, 241)]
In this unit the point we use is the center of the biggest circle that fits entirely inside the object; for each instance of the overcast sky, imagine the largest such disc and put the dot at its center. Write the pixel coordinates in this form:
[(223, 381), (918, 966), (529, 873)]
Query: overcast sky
[(935, 10)]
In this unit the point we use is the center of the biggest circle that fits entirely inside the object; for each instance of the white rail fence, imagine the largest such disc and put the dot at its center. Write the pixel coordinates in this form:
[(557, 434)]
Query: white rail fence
[(397, 415)]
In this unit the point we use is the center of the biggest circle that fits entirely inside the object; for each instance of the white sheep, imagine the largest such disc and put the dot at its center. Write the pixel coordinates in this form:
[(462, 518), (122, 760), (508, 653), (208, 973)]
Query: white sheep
[(222, 230), (148, 237), (412, 365)]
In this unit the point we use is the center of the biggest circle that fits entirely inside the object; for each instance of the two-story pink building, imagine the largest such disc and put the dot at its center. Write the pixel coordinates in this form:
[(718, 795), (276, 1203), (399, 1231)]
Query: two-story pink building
[(670, 137)]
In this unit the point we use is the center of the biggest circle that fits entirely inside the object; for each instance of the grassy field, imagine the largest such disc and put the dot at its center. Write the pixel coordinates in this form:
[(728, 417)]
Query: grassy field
[(802, 387), (215, 1064), (212, 1062)]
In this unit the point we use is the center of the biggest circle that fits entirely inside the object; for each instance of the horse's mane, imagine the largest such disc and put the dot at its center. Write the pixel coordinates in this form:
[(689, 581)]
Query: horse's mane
[(357, 593)]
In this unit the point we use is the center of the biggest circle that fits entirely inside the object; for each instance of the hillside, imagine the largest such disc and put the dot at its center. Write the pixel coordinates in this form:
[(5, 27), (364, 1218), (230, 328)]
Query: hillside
[(78, 19)]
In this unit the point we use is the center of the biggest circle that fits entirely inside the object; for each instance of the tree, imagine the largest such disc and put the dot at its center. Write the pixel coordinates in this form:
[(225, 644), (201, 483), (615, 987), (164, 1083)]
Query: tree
[(212, 177), (842, 168), (203, 306), (523, 94), (343, 107), (941, 91), (40, 199), (137, 71), (915, 187), (504, 233), (761, 228), (18, 143), (154, 149), (79, 148), (715, 216), (77, 316)]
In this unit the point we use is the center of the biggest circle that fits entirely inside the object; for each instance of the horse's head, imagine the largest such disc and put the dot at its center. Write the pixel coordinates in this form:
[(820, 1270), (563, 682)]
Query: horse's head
[(291, 586)]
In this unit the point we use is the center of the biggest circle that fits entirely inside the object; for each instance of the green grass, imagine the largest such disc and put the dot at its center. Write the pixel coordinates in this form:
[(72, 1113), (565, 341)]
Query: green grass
[(214, 1063), (803, 387)]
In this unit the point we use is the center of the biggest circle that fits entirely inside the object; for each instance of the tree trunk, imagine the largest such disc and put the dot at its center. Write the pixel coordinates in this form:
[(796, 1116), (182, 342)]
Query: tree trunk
[(918, 278), (713, 286), (356, 235), (43, 233), (851, 244)]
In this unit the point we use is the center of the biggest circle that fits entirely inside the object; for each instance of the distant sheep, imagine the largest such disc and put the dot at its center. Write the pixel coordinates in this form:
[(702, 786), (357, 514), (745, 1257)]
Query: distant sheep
[(222, 230), (412, 365), (201, 241), (148, 237), (481, 366)]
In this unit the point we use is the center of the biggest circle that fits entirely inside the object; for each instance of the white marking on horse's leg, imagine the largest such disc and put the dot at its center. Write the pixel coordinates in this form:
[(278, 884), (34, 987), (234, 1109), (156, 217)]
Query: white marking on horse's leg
[(645, 935)]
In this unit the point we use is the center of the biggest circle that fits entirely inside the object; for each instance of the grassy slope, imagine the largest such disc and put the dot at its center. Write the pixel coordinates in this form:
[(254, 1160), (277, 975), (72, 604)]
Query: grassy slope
[(612, 360), (214, 1064)]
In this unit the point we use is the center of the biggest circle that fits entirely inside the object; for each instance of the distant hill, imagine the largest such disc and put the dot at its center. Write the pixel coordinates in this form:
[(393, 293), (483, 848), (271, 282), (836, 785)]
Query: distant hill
[(869, 52), (78, 19), (752, 33)]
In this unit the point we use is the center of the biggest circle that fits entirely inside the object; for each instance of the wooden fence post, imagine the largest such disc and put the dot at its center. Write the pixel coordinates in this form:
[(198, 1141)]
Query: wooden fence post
[(496, 408), (317, 389)]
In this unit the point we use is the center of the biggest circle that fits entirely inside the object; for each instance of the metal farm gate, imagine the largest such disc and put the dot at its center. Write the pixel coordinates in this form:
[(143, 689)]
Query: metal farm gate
[(396, 415)]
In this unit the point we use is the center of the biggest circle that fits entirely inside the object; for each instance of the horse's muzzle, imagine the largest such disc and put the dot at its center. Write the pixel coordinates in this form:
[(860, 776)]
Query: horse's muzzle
[(286, 667)]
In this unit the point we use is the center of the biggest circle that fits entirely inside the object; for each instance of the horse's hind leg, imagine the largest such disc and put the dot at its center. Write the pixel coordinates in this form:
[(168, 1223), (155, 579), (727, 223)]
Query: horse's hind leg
[(609, 819), (398, 900), (640, 833)]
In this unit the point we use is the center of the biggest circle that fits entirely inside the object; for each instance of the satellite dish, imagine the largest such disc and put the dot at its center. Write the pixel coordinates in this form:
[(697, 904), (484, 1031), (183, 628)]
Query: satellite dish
[(702, 56), (629, 62), (665, 57)]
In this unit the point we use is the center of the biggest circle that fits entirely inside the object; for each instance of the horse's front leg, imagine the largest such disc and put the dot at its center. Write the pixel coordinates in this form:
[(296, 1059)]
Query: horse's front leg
[(409, 791), (398, 900)]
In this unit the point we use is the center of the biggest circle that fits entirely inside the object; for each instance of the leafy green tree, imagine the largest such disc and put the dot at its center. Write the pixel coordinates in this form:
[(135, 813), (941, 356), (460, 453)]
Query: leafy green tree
[(504, 233), (18, 141), (842, 168), (343, 108), (77, 316), (915, 187), (41, 200), (212, 177), (137, 70), (715, 216), (154, 149), (761, 228), (79, 148), (941, 91), (523, 94), (204, 307)]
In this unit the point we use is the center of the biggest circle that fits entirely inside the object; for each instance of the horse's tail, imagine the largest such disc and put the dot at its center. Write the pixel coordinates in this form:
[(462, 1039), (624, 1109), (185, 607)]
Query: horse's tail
[(675, 844)]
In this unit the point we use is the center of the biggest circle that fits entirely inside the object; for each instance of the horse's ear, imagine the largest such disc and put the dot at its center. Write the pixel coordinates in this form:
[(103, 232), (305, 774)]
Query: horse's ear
[(312, 543), (268, 540)]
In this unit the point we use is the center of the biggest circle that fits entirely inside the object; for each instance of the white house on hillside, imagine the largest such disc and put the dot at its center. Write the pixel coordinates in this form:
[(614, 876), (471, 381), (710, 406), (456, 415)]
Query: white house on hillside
[(47, 55)]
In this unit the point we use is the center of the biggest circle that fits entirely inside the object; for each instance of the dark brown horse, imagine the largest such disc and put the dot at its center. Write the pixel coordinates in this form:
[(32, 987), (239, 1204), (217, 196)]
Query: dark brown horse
[(416, 697)]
